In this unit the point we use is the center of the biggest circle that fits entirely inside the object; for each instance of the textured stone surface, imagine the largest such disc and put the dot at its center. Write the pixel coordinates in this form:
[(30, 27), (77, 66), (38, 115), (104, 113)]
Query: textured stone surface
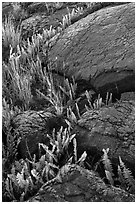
[(110, 127), (100, 47), (76, 184), (43, 17), (32, 128), (98, 51)]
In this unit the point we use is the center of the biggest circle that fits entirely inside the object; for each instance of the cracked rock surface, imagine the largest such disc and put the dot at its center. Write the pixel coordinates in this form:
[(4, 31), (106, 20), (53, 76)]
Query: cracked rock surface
[(98, 50), (100, 47), (76, 184), (109, 127)]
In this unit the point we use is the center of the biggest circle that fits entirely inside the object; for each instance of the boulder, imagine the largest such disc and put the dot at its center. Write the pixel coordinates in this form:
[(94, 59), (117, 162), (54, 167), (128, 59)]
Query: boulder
[(100, 48), (32, 127), (76, 184), (110, 127), (128, 96), (42, 16)]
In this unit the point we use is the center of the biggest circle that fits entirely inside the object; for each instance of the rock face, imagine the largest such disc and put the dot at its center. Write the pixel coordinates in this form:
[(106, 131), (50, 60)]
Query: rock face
[(32, 128), (110, 127), (100, 48), (76, 184), (42, 16)]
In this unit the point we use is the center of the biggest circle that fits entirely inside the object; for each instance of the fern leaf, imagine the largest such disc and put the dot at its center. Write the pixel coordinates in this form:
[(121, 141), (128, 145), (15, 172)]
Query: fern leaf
[(106, 161), (66, 143), (82, 158), (59, 139), (77, 108), (31, 184), (20, 180), (109, 177), (75, 149), (121, 178), (72, 116), (110, 99), (127, 174), (72, 137), (9, 188), (107, 98), (70, 160)]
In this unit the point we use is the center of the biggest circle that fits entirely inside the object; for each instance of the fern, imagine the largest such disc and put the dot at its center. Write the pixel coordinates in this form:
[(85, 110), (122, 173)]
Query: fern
[(108, 98), (121, 178), (97, 103), (75, 149), (127, 174), (20, 180), (108, 166), (106, 161), (89, 99), (71, 115), (109, 177), (82, 158)]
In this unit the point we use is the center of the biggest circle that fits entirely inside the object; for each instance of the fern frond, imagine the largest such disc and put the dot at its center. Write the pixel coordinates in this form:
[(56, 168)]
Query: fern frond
[(88, 98), (121, 178), (106, 161), (71, 116), (127, 174), (110, 99), (9, 188), (77, 109), (109, 177), (82, 158), (20, 179), (75, 149)]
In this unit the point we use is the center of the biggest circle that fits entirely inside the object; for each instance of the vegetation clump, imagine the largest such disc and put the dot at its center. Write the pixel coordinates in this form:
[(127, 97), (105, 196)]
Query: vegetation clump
[(28, 84)]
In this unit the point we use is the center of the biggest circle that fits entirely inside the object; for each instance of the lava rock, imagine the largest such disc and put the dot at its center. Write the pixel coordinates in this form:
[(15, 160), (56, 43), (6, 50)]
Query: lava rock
[(112, 127), (100, 48), (76, 184), (32, 127)]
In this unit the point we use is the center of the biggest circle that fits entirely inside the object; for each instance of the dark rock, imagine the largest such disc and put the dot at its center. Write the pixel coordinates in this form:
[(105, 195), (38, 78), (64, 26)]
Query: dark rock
[(32, 127), (110, 127), (128, 96), (76, 184), (42, 16), (100, 47)]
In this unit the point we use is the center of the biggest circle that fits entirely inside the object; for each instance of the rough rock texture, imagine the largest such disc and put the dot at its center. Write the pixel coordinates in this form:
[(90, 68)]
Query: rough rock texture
[(76, 184), (98, 51), (100, 47), (110, 127), (128, 96), (42, 16), (32, 128)]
